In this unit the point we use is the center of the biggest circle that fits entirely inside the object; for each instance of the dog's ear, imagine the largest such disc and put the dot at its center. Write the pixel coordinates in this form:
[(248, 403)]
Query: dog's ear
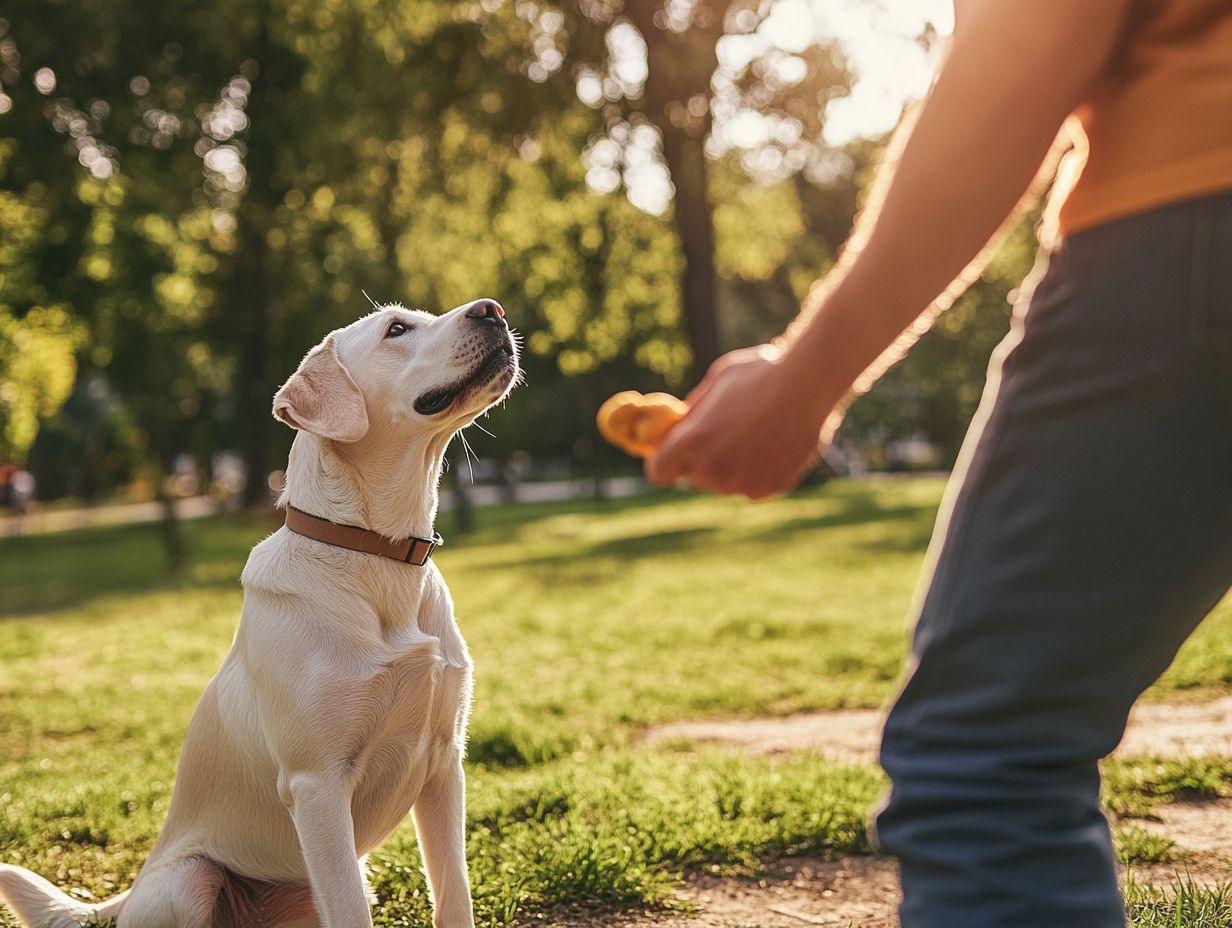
[(323, 398)]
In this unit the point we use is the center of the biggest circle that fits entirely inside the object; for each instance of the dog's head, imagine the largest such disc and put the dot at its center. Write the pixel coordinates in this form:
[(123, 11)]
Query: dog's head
[(406, 371)]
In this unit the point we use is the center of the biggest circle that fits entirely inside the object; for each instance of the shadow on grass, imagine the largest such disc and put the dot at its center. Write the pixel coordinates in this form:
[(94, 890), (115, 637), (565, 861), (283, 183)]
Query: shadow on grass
[(852, 508), (65, 569), (910, 542), (61, 570), (612, 552), (494, 523)]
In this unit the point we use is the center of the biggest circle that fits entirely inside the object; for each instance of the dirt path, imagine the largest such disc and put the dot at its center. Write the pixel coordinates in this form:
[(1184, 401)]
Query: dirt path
[(1202, 832), (853, 891), (1161, 729), (862, 892)]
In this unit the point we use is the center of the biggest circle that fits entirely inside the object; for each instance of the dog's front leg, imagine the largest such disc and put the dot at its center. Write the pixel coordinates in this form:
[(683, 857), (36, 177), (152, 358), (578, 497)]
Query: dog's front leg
[(321, 809), (440, 822)]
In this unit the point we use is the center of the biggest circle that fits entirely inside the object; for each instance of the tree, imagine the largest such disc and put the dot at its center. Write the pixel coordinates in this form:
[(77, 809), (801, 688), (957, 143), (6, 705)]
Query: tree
[(38, 337), (194, 191), (683, 87), (222, 195), (681, 61)]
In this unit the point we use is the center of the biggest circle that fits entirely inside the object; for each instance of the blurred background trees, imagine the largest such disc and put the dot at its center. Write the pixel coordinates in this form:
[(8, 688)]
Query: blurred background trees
[(192, 193)]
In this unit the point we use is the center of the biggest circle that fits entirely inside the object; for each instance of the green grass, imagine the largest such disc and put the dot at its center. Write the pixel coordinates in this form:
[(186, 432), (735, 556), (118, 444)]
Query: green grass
[(587, 622), (1186, 904), (1137, 845), (620, 828), (1135, 787)]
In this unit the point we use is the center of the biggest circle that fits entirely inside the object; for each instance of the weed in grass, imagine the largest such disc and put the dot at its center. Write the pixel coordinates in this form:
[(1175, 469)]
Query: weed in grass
[(1137, 845), (1186, 904)]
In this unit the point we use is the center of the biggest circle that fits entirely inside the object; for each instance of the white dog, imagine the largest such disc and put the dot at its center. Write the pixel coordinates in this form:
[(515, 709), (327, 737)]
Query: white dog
[(343, 701)]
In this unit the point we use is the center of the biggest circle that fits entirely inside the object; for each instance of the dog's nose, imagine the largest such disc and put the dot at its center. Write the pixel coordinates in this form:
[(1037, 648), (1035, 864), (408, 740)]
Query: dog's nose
[(486, 311)]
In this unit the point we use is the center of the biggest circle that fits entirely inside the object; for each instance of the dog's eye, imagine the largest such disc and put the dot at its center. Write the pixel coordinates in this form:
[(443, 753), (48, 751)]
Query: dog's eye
[(397, 328)]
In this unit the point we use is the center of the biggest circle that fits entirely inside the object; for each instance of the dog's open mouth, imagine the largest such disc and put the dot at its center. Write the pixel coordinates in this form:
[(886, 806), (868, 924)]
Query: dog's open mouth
[(498, 364)]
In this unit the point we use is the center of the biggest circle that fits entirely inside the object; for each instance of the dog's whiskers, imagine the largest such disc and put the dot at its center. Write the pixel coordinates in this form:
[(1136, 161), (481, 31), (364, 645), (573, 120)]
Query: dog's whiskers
[(470, 454)]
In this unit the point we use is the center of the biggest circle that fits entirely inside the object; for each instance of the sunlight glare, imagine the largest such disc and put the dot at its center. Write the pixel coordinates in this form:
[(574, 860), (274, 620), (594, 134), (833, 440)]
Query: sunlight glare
[(880, 40)]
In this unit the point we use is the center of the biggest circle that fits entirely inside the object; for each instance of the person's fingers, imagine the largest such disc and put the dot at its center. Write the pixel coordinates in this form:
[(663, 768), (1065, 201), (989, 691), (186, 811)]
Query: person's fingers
[(705, 447), (704, 482), (676, 434), (764, 479), (650, 466), (749, 479), (667, 463)]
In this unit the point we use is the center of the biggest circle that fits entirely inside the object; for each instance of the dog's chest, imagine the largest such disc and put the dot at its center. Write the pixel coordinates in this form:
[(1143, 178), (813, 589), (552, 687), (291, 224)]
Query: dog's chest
[(418, 702)]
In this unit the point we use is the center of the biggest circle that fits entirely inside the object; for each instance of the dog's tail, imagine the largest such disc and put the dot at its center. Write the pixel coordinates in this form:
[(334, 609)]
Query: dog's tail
[(38, 904)]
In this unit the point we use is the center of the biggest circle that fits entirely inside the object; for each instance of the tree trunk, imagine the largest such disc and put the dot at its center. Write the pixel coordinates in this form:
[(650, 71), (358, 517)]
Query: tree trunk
[(694, 218), (594, 449), (172, 528), (680, 68)]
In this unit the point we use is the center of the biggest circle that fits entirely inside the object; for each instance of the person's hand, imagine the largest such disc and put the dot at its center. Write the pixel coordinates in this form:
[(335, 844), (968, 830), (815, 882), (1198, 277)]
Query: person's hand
[(753, 427)]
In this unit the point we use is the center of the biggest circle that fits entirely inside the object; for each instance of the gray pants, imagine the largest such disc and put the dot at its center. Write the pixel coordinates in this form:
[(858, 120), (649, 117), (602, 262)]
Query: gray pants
[(1085, 534)]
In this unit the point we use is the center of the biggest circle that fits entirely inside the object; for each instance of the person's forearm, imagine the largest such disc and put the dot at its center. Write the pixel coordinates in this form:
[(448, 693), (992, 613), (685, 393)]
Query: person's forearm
[(1013, 73)]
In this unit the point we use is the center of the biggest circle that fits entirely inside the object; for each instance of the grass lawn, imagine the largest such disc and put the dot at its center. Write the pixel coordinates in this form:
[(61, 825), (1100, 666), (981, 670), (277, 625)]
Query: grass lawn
[(587, 622)]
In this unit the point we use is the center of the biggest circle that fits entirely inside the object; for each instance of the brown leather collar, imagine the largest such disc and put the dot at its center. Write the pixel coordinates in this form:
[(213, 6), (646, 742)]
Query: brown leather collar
[(411, 550)]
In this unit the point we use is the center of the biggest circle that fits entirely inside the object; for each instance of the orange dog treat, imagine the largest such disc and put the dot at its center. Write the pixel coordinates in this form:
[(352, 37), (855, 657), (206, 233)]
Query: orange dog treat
[(636, 422)]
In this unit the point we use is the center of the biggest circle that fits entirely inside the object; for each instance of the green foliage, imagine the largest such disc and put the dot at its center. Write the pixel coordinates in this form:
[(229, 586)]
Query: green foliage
[(774, 238), (205, 188), (37, 370), (91, 445), (205, 202), (589, 277), (38, 338)]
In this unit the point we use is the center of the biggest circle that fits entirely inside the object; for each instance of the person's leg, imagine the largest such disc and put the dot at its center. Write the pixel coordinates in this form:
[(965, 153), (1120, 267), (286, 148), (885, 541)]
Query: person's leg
[(1088, 530)]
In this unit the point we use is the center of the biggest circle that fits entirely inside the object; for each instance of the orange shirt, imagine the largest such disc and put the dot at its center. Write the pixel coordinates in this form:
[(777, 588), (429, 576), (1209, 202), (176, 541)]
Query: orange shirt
[(1158, 127)]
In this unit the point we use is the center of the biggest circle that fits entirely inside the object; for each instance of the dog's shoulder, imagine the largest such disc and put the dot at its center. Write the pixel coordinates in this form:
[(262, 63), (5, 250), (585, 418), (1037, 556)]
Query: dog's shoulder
[(287, 563)]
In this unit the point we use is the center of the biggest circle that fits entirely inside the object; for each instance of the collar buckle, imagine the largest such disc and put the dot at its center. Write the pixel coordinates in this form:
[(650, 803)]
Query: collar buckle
[(420, 549)]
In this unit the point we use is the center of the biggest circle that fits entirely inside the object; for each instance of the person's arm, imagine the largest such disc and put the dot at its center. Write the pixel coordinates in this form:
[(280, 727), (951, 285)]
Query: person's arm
[(1014, 71)]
